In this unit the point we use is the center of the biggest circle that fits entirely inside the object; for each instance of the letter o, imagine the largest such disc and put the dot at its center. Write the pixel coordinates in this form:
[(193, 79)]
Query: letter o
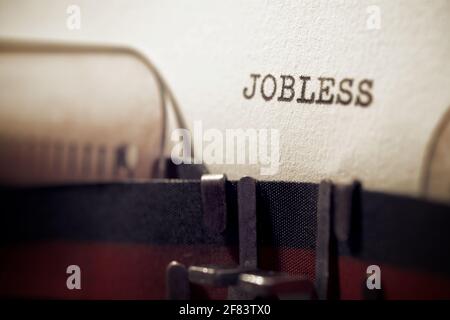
[(263, 94)]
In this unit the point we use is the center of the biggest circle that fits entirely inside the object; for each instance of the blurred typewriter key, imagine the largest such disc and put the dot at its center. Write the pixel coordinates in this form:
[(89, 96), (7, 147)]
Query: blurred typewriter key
[(270, 284), (216, 276), (177, 282)]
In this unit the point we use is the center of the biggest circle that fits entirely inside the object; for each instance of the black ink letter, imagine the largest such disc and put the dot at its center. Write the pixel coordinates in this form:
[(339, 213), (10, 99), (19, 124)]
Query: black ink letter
[(302, 98), (364, 92), (268, 97)]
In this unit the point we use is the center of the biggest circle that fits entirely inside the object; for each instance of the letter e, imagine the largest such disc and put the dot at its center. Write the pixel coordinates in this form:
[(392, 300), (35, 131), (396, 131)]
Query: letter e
[(373, 21)]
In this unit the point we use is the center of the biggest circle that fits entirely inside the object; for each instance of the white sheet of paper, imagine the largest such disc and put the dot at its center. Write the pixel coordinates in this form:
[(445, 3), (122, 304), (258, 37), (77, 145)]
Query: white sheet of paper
[(206, 51)]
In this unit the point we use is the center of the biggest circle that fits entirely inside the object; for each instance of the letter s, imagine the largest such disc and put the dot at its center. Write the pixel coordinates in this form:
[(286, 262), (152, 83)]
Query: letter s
[(345, 91)]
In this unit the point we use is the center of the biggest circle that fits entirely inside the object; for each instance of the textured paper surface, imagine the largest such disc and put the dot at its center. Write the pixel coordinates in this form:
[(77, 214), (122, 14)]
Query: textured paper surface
[(206, 51)]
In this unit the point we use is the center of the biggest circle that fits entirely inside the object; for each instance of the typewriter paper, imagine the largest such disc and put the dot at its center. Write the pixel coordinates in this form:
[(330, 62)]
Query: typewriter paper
[(398, 143)]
